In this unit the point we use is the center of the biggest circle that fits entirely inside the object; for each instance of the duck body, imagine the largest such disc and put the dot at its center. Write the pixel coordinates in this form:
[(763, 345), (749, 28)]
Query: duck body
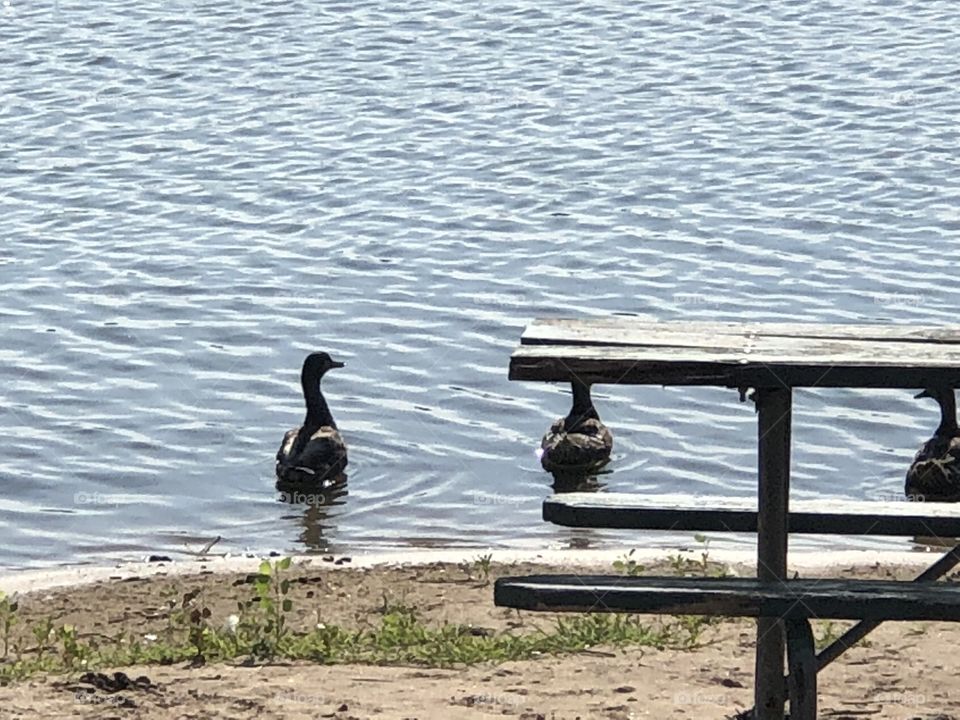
[(314, 452), (323, 457), (934, 475), (579, 442)]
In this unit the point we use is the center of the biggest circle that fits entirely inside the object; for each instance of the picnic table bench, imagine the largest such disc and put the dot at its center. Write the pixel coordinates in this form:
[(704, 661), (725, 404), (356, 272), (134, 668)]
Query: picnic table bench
[(770, 360)]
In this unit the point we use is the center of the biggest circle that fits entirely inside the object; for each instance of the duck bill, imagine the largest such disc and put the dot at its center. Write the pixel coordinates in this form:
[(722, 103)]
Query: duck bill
[(335, 364)]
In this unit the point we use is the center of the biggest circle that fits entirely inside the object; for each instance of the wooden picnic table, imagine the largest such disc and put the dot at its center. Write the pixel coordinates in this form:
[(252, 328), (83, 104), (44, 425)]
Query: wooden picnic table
[(768, 358)]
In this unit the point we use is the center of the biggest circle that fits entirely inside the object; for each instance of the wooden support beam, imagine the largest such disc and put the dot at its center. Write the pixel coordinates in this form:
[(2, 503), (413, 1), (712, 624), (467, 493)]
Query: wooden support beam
[(774, 406), (802, 686), (863, 628)]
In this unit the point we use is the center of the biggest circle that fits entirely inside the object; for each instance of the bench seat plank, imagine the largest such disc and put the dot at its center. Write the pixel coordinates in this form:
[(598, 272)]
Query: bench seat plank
[(632, 511), (885, 365), (739, 597)]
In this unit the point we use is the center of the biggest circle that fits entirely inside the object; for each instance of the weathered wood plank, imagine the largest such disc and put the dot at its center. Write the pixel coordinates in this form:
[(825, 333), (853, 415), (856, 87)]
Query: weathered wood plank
[(802, 683), (740, 597), (773, 437), (791, 350), (630, 350), (630, 511), (890, 365), (637, 331)]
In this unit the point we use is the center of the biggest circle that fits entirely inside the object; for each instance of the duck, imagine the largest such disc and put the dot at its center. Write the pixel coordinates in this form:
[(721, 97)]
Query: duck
[(579, 442), (934, 475), (314, 452)]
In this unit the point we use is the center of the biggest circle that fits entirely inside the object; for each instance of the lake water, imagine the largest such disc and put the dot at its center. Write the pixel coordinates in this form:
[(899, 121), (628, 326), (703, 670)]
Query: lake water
[(197, 194)]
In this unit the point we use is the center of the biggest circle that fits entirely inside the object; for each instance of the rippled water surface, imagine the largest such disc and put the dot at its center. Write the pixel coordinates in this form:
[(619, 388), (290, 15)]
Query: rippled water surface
[(196, 194)]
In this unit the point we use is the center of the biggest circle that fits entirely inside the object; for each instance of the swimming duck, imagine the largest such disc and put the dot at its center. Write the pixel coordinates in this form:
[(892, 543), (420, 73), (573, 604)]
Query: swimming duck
[(934, 475), (315, 451), (579, 442)]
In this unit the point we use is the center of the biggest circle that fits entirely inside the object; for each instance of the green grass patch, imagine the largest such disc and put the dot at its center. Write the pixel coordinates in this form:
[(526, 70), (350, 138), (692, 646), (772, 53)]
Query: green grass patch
[(259, 632)]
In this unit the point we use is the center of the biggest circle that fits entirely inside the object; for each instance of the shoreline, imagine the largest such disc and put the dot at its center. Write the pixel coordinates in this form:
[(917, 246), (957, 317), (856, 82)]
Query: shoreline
[(414, 618), (818, 561)]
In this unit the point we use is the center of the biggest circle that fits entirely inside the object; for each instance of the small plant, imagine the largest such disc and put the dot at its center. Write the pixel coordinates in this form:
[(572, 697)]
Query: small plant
[(483, 564), (704, 552), (43, 633), (679, 564), (827, 633), (391, 606), (263, 620), (628, 566), (195, 616), (8, 618), (704, 567), (692, 627), (172, 598), (73, 653)]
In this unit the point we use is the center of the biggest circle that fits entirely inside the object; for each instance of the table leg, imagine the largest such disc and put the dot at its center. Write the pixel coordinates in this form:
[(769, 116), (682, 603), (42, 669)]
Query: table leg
[(774, 407), (863, 628), (802, 685)]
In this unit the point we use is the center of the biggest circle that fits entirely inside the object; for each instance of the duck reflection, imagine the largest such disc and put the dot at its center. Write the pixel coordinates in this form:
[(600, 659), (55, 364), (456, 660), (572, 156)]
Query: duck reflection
[(317, 505), (569, 482)]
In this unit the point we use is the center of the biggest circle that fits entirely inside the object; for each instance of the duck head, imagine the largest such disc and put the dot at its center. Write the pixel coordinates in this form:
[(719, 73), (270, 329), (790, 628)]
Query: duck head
[(317, 364), (318, 412), (946, 398)]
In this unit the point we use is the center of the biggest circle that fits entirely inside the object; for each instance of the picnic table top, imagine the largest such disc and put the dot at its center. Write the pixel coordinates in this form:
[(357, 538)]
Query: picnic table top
[(636, 351)]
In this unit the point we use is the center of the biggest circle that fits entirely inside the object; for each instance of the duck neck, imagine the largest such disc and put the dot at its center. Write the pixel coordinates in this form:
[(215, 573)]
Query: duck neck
[(582, 405), (318, 412), (948, 412)]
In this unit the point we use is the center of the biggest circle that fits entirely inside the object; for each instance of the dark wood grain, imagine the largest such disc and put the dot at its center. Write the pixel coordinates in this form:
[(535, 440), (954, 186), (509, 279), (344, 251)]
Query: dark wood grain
[(627, 350), (802, 683), (712, 514), (773, 438), (734, 597), (915, 366)]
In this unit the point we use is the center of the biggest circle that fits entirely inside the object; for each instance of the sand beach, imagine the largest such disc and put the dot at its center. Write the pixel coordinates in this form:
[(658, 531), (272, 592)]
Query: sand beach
[(903, 671)]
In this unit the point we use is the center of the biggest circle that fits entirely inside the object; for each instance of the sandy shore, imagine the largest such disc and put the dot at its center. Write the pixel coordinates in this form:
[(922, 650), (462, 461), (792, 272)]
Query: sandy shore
[(904, 670)]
